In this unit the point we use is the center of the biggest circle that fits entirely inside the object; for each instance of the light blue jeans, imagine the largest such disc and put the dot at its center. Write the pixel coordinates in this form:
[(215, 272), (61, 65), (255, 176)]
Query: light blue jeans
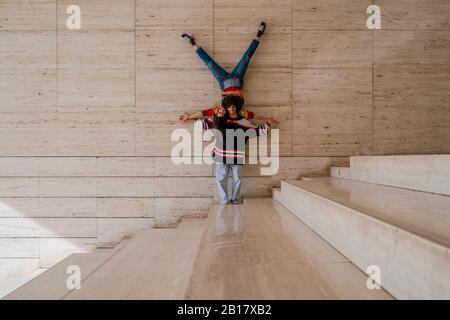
[(222, 172), (225, 78)]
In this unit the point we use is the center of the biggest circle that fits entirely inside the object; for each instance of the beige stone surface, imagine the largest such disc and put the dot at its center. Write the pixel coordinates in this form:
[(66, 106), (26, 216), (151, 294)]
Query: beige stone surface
[(148, 166), (28, 15), (411, 48), (415, 14), (332, 112), (96, 88), (173, 88), (19, 187), (96, 49), (410, 129), (115, 230), (411, 87), (100, 15), (11, 268), (329, 15), (20, 207), (155, 264), (96, 131), (251, 252), (28, 49), (54, 250), (169, 211), (113, 186), (332, 49), (52, 285), (48, 227), (19, 248), (125, 207), (174, 14), (28, 89), (429, 173), (28, 133), (393, 228)]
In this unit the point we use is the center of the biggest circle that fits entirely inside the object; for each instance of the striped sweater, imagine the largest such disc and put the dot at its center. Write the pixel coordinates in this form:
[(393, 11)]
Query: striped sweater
[(230, 141)]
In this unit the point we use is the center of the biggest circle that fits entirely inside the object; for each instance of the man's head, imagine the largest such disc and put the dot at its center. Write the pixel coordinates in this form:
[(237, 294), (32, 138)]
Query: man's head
[(232, 104)]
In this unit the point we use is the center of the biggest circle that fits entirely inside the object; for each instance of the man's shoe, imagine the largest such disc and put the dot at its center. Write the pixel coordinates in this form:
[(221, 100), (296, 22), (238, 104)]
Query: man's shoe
[(234, 201)]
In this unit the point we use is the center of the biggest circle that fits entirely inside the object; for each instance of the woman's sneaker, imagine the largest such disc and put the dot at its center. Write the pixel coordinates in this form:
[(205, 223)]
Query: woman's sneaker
[(188, 38), (261, 29)]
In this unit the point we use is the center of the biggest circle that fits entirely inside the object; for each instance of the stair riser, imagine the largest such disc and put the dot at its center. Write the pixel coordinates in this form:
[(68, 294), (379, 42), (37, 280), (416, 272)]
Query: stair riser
[(430, 173), (411, 267), (340, 172)]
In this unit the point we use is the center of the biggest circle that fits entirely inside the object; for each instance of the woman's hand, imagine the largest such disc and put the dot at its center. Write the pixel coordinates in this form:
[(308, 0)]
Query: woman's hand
[(273, 122)]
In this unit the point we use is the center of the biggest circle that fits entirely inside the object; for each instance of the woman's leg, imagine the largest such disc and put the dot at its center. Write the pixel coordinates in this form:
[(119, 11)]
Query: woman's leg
[(241, 67), (218, 72)]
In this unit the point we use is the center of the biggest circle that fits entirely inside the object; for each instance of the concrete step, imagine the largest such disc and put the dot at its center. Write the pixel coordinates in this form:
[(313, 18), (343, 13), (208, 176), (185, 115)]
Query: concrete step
[(260, 250), (155, 264), (341, 172), (405, 233), (10, 284), (51, 284), (430, 173)]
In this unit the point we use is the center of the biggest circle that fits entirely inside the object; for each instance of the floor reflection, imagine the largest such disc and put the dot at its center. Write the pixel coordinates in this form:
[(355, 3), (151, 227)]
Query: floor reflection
[(228, 220)]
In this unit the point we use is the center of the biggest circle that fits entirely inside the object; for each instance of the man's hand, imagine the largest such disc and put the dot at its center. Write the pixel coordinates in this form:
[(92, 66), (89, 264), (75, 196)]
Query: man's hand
[(273, 122), (184, 117)]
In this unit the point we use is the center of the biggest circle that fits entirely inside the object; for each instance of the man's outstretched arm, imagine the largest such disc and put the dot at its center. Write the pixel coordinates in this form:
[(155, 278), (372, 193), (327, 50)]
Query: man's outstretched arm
[(249, 115), (271, 119)]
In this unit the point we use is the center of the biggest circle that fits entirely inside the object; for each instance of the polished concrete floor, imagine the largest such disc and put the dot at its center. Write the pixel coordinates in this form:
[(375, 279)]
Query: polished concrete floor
[(260, 250)]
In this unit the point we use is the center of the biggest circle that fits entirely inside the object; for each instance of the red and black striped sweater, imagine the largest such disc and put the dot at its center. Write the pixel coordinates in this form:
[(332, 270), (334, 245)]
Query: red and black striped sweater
[(231, 138)]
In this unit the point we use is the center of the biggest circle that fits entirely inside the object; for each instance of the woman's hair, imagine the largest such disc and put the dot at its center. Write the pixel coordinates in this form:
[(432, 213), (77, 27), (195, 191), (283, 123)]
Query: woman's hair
[(219, 122), (236, 101)]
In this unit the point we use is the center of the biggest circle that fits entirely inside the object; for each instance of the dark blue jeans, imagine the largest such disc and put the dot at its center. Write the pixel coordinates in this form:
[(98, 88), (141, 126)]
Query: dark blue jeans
[(236, 77)]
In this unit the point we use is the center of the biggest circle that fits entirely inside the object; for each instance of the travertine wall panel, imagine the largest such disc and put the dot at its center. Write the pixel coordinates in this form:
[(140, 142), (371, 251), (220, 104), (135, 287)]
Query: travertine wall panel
[(406, 129), (28, 15), (27, 49), (408, 48), (28, 89), (100, 15), (329, 15), (97, 131), (415, 14), (173, 88), (173, 14), (332, 49), (96, 49), (332, 112), (96, 88)]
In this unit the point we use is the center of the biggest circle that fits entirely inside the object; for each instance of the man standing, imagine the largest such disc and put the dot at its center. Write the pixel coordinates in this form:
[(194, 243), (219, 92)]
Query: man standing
[(232, 132)]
